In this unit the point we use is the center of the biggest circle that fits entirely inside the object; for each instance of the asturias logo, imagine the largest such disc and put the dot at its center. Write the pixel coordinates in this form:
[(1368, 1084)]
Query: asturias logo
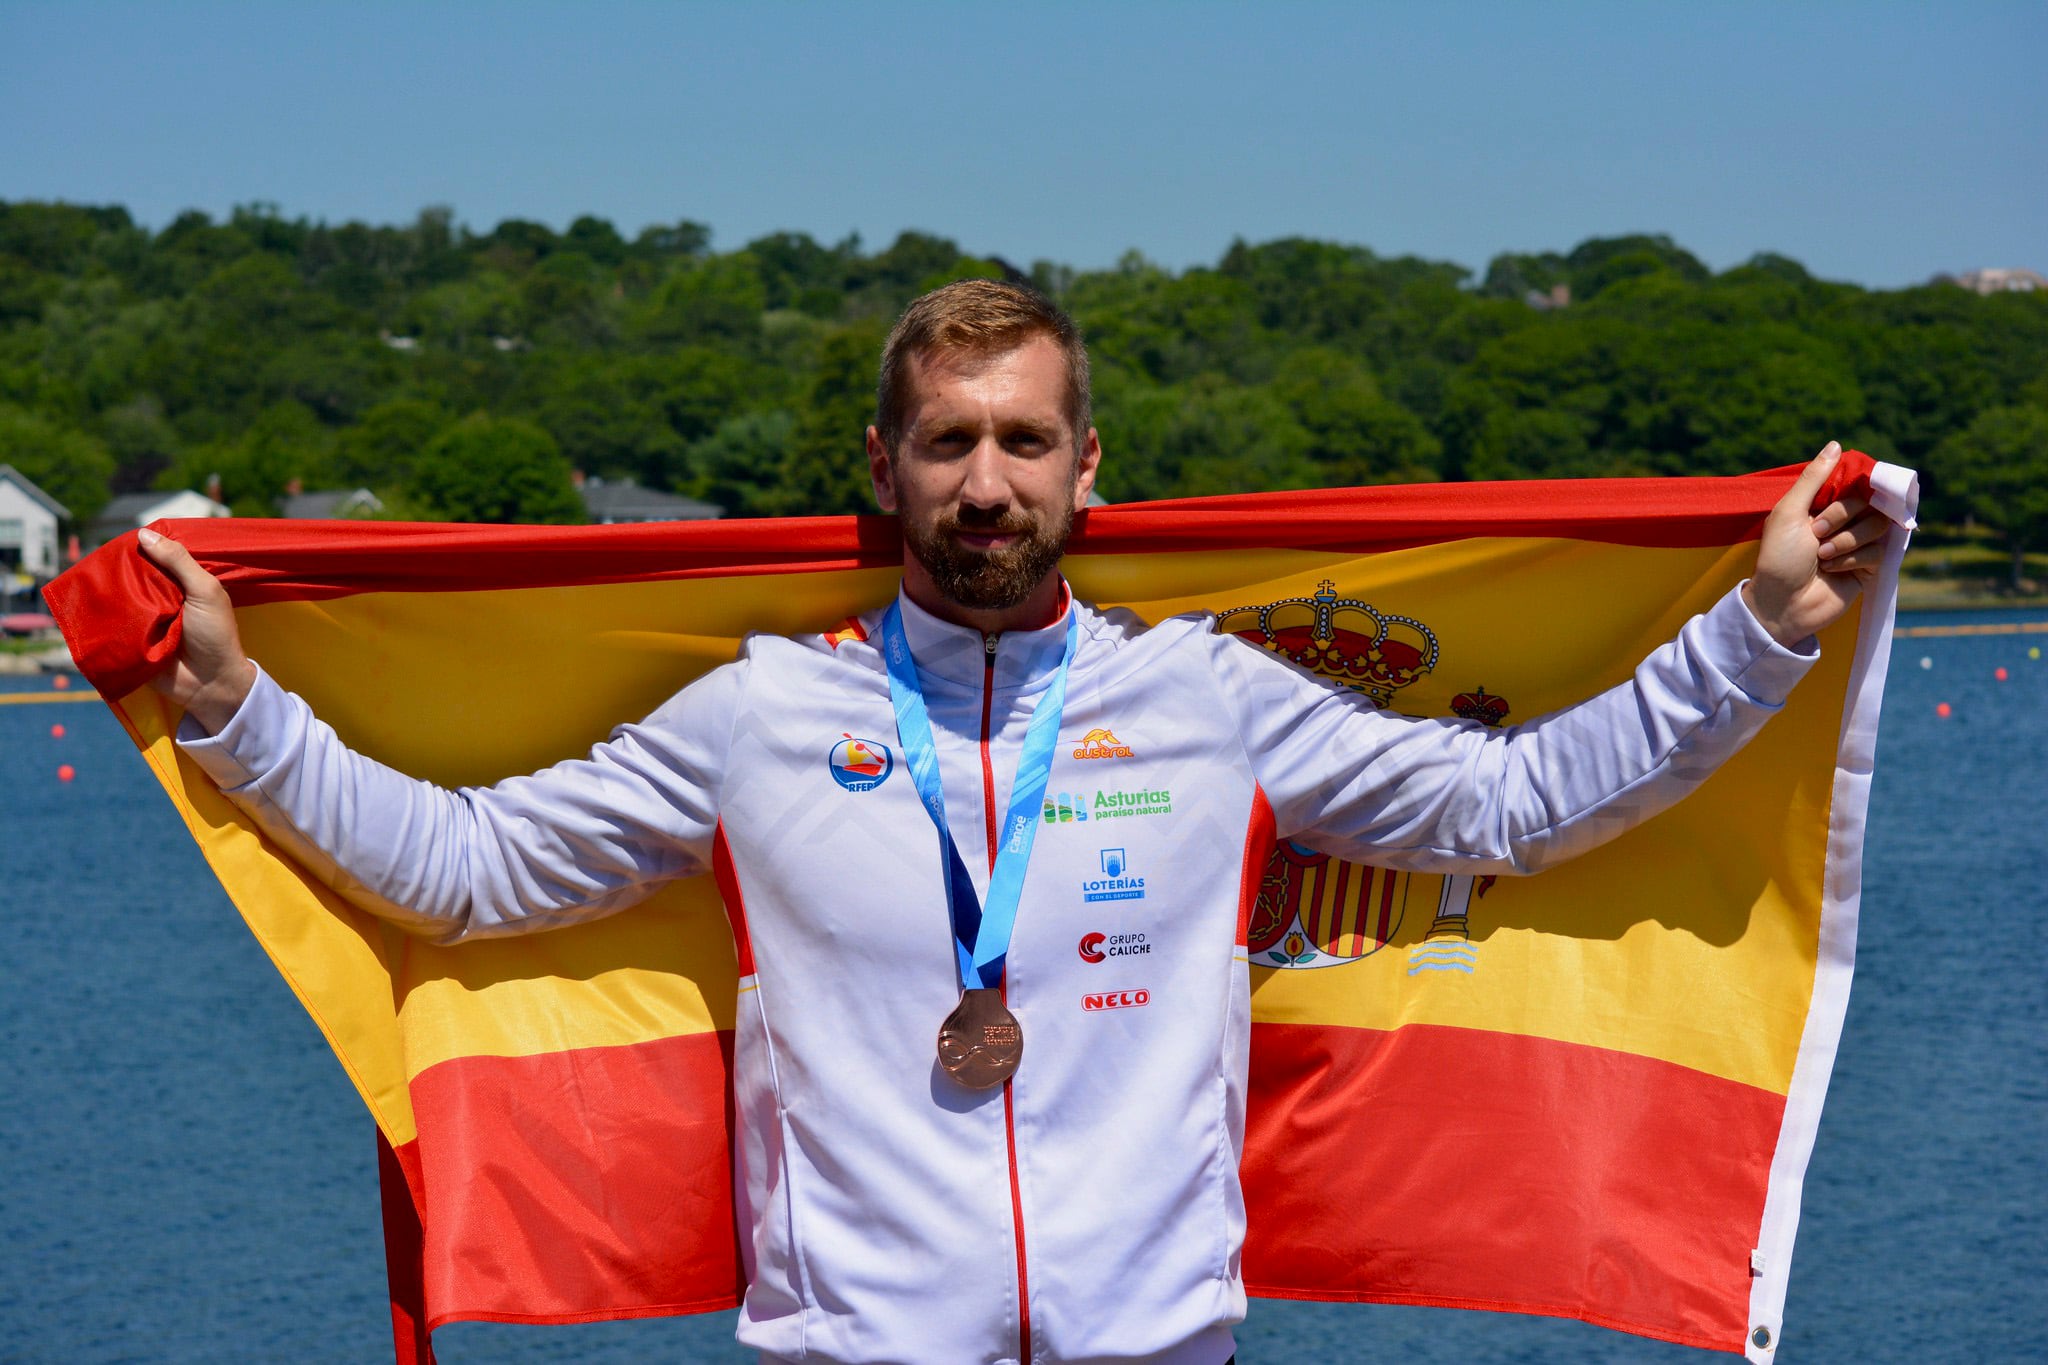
[(860, 765), (1115, 883), (1101, 947), (1100, 743)]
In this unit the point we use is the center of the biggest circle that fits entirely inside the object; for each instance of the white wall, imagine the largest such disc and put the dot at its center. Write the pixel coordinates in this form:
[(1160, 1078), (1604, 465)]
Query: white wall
[(37, 530)]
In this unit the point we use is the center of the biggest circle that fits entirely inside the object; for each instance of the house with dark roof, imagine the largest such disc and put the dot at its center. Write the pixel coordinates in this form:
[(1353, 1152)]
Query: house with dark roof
[(615, 502), (28, 526), (130, 511), (326, 504)]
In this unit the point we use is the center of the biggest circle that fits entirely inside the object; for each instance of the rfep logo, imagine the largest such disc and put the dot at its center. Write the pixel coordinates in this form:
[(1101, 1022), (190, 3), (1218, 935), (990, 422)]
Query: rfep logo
[(860, 765), (1115, 1000), (1091, 947)]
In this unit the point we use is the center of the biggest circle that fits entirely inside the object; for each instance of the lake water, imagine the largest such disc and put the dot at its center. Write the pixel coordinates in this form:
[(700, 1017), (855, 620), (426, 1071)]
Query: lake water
[(188, 1176)]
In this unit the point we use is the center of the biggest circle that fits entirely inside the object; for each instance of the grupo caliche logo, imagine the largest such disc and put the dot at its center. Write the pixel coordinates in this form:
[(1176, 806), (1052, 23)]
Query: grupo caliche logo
[(1101, 947), (860, 765)]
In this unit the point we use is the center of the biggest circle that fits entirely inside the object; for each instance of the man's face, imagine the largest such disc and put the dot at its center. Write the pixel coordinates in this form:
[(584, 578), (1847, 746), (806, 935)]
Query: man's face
[(989, 474)]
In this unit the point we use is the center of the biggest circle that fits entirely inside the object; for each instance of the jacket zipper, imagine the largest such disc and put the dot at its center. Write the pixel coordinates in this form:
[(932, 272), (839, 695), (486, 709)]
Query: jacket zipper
[(988, 806)]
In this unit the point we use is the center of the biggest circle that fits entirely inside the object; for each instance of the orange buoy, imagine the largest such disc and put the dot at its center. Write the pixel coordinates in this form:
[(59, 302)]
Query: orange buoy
[(61, 681), (1942, 710), (56, 732), (66, 773)]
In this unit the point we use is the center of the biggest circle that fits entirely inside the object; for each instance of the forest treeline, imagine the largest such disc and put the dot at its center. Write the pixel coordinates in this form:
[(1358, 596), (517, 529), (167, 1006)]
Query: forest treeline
[(463, 375)]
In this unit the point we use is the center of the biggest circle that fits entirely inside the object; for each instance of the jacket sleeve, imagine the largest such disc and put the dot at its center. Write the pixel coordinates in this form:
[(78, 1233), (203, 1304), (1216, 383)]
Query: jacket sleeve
[(573, 842), (1432, 795)]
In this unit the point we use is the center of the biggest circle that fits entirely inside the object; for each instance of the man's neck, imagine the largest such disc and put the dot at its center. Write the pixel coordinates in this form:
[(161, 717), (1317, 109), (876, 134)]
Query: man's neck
[(1045, 605)]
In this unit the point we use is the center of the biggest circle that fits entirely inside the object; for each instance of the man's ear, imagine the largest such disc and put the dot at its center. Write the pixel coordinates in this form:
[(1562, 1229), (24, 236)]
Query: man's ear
[(1085, 464), (881, 472)]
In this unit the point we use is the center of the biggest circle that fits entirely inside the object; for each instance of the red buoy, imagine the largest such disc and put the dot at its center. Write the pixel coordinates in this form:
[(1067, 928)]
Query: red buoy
[(61, 681), (1942, 710), (66, 773), (1999, 674), (56, 732)]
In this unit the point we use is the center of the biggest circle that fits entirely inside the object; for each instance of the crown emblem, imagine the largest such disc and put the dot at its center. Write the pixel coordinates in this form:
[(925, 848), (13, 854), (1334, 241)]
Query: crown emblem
[(1480, 705), (1340, 638)]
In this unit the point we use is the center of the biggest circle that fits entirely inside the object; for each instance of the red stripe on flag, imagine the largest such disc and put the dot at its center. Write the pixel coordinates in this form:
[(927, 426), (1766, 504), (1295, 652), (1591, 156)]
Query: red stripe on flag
[(615, 1204), (118, 647), (1509, 1173)]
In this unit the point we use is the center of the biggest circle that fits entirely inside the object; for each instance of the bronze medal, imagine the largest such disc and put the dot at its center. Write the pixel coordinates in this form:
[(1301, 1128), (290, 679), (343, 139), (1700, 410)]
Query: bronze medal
[(981, 1042)]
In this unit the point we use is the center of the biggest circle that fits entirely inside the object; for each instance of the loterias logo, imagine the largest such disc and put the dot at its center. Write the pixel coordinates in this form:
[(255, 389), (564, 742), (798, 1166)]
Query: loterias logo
[(860, 765), (1115, 883), (1115, 1000), (1101, 743), (1101, 947)]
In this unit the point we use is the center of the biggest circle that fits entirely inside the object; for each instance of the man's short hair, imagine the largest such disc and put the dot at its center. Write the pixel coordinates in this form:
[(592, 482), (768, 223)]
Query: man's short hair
[(981, 318)]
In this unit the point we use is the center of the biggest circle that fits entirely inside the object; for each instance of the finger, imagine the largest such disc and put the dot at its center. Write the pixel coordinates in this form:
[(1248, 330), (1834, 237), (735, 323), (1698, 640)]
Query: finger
[(175, 560), (1808, 485), (1839, 513), (1863, 558), (1865, 530)]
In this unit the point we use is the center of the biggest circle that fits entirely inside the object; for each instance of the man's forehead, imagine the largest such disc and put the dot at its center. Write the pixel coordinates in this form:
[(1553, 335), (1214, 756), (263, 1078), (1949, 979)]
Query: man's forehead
[(1031, 373)]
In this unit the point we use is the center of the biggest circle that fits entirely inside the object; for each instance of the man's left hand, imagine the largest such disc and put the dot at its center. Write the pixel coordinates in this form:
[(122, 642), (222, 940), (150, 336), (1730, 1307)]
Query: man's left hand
[(1811, 564)]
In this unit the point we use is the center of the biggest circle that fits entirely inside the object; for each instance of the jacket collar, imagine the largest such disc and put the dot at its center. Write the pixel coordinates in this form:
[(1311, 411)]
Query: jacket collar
[(957, 655)]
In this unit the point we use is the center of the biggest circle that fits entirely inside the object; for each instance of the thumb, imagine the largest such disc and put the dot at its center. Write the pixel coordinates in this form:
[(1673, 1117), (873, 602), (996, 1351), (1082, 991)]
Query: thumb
[(1812, 479), (175, 560)]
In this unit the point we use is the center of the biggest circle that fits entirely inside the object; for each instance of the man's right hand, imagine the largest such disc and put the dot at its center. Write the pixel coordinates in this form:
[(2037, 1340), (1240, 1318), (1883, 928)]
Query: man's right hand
[(211, 676)]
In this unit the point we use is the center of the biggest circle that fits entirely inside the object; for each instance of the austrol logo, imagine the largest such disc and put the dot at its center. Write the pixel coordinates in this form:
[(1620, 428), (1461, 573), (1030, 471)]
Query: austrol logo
[(1101, 743), (1114, 1000)]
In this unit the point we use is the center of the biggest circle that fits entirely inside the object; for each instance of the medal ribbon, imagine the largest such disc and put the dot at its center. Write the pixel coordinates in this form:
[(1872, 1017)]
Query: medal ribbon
[(981, 933)]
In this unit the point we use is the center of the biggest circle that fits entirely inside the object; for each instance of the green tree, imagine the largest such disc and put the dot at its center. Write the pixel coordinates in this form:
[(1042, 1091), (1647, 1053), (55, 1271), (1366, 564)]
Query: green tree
[(1998, 469), (70, 465), (496, 469)]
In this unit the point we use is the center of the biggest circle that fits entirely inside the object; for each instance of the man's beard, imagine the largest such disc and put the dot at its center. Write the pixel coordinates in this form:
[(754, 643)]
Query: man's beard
[(990, 580)]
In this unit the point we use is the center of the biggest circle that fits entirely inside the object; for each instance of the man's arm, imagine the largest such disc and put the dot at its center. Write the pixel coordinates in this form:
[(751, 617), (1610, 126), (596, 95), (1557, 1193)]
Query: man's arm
[(1448, 796), (575, 841)]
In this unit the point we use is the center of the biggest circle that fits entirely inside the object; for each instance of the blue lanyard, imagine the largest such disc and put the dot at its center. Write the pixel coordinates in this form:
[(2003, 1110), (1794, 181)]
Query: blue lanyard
[(981, 933)]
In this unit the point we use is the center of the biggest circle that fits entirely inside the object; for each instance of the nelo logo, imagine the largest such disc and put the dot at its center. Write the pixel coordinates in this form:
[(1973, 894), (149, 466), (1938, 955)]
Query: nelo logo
[(1115, 1000), (1091, 947)]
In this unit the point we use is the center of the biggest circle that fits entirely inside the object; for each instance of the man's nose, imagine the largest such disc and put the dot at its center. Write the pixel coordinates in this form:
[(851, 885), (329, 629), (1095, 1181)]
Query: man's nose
[(987, 480)]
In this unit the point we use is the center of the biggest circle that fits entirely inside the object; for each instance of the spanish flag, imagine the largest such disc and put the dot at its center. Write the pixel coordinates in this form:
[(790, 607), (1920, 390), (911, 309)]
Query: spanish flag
[(1590, 1093)]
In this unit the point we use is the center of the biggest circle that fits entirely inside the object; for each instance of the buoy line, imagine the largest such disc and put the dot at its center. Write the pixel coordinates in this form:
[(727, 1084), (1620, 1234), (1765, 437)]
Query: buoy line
[(1998, 628), (23, 698)]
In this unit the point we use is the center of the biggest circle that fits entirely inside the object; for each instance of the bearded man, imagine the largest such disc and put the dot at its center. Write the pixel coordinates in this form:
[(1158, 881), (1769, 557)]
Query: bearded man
[(940, 1155)]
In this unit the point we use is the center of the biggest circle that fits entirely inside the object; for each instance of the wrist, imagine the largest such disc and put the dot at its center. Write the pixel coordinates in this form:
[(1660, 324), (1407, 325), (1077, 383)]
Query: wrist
[(1773, 621), (215, 703)]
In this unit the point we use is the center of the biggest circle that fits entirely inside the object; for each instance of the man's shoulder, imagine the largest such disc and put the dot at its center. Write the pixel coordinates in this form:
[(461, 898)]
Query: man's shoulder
[(1122, 634)]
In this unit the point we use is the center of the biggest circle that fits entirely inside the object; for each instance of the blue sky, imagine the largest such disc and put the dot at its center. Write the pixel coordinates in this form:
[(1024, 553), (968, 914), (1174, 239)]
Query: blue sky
[(1876, 142)]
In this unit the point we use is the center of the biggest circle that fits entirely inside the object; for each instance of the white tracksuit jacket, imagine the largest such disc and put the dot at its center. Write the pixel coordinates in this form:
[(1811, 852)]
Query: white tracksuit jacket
[(1090, 1211)]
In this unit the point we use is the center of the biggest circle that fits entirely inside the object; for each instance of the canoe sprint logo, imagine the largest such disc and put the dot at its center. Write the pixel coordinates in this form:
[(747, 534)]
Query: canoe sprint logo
[(860, 765)]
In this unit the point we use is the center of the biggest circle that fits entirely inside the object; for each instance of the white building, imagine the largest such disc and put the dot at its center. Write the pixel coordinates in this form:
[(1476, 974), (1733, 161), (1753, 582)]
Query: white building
[(131, 511), (2001, 280), (28, 526)]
